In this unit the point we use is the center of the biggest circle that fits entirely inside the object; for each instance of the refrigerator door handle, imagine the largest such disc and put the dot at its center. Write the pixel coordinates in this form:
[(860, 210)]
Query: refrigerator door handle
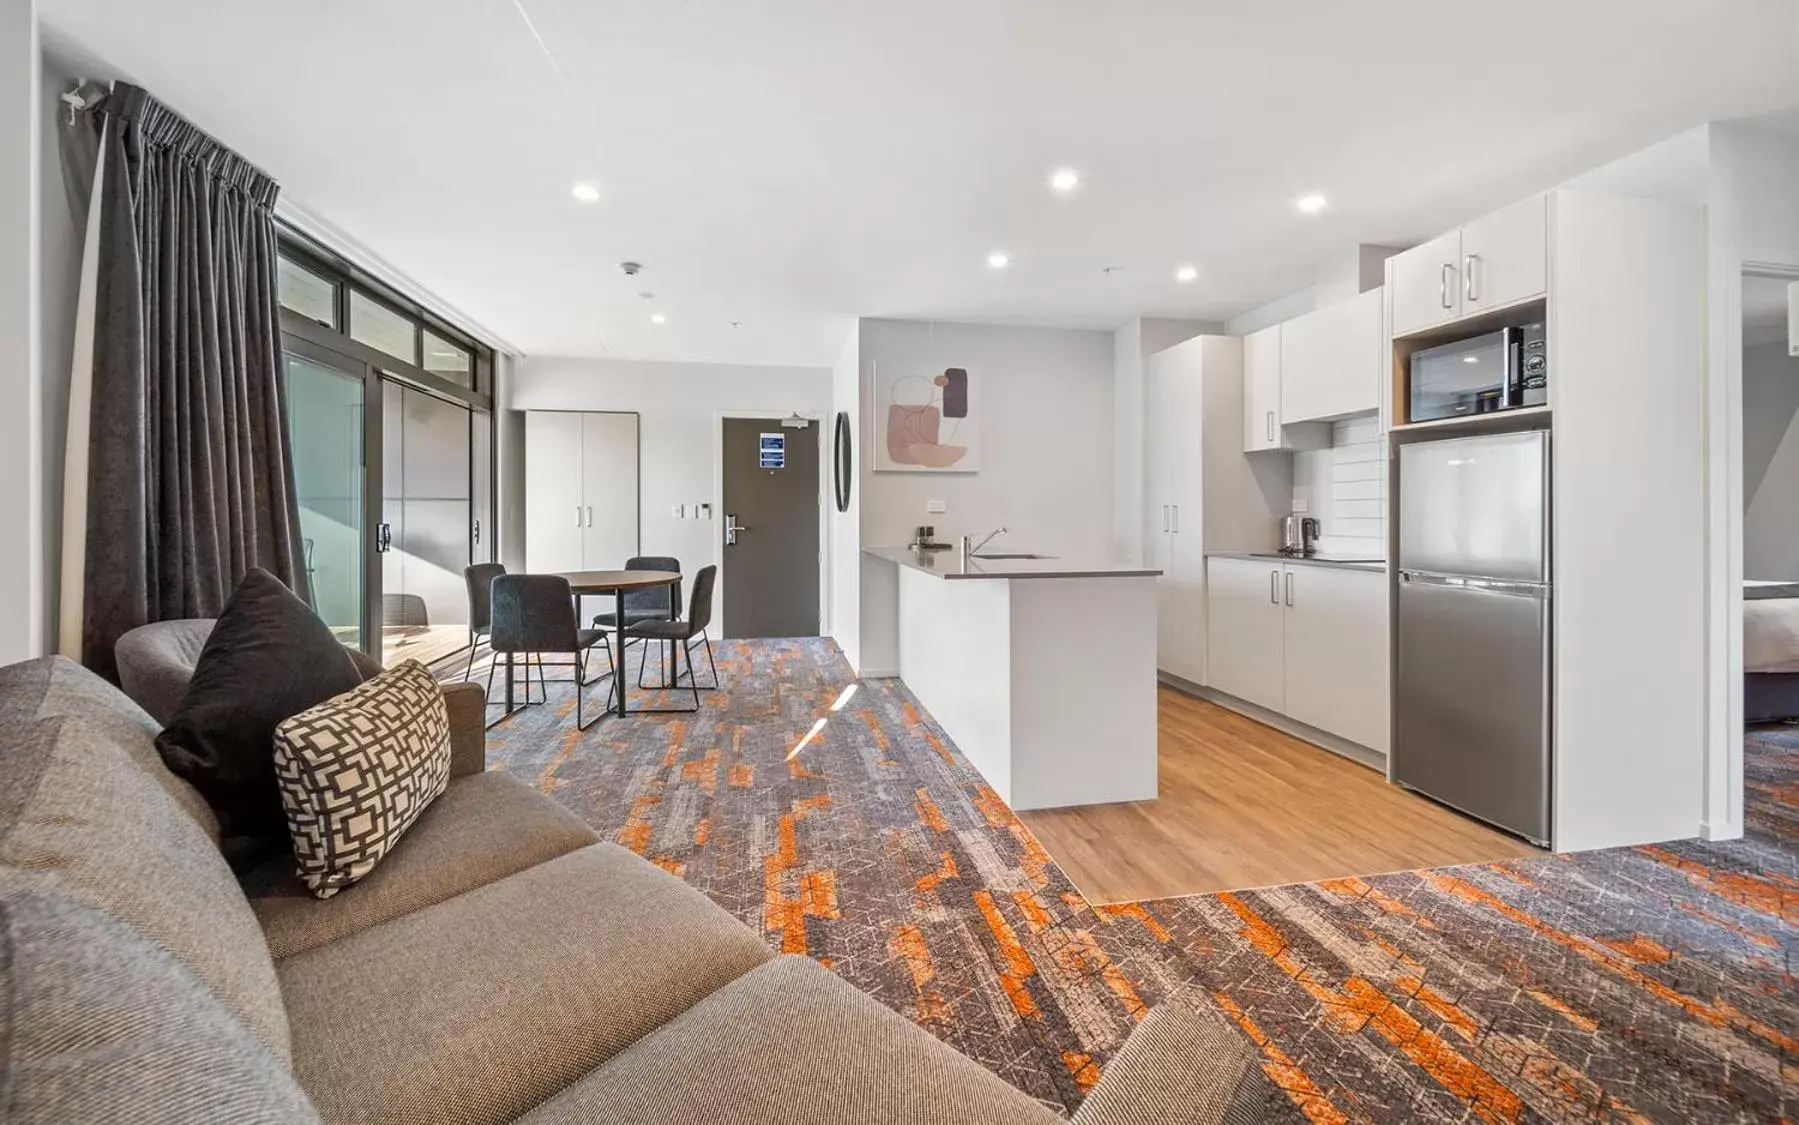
[(1482, 585)]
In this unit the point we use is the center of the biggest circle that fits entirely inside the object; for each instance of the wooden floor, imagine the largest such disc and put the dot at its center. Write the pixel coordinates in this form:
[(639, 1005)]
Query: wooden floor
[(1243, 805)]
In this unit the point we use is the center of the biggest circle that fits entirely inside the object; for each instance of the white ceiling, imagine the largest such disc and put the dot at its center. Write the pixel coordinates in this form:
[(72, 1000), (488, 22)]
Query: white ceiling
[(792, 164)]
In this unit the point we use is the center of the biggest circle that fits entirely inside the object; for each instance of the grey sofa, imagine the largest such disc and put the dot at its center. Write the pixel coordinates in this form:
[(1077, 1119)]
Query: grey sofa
[(502, 964)]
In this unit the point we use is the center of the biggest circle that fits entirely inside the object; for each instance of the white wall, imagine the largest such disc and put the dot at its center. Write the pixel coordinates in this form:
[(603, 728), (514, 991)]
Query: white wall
[(680, 405), (21, 500), (1770, 462), (60, 275), (1045, 401), (844, 541), (1344, 487), (1132, 345)]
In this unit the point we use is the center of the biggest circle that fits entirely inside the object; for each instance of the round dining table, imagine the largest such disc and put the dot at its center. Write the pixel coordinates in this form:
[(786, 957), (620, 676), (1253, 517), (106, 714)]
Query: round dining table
[(618, 583)]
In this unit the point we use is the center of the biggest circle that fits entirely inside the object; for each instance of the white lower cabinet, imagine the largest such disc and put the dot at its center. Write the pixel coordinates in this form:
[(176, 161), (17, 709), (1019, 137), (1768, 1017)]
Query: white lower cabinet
[(1336, 635), (1309, 642), (1244, 641)]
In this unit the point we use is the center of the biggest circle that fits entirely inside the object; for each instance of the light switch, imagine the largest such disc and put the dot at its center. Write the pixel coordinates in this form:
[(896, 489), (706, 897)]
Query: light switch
[(1300, 505), (680, 511), (935, 507)]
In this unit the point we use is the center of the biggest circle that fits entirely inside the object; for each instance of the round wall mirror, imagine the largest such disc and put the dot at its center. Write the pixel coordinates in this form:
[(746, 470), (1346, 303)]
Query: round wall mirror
[(842, 464)]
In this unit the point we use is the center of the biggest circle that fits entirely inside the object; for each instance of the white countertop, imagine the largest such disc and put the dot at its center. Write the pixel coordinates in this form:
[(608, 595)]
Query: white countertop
[(1302, 560), (948, 564)]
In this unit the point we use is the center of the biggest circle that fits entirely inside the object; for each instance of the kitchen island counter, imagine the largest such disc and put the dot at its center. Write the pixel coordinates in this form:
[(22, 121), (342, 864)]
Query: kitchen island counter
[(1041, 670)]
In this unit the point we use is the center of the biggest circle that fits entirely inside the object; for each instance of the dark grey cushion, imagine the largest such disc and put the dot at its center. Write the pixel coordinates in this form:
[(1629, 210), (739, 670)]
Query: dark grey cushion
[(268, 658), (99, 1026)]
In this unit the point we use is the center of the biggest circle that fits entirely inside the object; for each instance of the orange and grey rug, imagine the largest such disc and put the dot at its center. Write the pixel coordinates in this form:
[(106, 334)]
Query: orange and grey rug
[(1643, 983)]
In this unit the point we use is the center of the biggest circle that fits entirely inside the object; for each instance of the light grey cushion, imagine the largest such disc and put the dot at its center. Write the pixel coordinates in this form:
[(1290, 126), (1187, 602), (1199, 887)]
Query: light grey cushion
[(157, 660), (482, 829), (792, 1044), (357, 770), (1182, 1067), (79, 810), (98, 1026), (478, 1008), (56, 685)]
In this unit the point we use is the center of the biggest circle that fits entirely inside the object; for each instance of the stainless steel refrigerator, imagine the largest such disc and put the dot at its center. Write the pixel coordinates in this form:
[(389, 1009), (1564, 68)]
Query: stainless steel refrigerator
[(1471, 685)]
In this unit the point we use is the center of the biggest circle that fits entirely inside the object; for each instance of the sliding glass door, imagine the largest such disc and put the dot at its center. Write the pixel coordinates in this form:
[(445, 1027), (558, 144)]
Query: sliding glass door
[(326, 424), (428, 532)]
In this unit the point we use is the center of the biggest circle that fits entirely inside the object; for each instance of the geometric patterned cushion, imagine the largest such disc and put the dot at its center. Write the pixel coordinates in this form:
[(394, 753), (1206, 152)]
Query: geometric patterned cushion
[(357, 770)]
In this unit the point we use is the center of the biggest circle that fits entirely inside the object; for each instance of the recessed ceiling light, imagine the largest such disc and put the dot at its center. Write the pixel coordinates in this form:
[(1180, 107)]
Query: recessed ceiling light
[(1186, 273), (998, 260), (1470, 359), (1064, 180), (586, 193), (658, 318), (1310, 204)]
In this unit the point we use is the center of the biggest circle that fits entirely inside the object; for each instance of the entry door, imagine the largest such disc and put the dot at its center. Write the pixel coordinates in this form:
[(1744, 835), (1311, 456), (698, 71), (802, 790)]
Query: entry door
[(769, 576)]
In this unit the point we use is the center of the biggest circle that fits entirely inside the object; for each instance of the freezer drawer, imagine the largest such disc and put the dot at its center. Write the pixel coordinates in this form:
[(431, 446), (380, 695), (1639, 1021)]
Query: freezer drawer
[(1471, 700), (1476, 506)]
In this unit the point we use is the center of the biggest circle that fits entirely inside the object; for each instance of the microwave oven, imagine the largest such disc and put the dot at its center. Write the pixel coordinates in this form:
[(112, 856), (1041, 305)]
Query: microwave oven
[(1502, 370)]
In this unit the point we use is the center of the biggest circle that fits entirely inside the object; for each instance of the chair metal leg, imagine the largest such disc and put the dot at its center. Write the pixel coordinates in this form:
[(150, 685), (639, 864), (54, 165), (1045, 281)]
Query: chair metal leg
[(580, 693), (674, 685), (469, 672), (713, 664)]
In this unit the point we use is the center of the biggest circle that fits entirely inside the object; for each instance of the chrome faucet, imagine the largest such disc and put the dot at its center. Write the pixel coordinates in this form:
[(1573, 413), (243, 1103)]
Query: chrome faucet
[(970, 548)]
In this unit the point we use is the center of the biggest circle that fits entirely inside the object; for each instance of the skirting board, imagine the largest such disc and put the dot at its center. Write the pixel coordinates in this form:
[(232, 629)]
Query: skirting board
[(1342, 747)]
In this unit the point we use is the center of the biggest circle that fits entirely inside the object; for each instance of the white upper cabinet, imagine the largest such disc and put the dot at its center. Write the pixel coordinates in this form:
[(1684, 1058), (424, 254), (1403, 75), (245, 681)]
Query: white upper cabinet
[(1331, 361), (1262, 390), (1497, 260), (1505, 256), (1426, 284)]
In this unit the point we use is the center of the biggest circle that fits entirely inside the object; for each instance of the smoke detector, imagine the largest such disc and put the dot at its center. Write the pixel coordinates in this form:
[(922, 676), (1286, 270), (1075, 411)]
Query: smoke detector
[(632, 269)]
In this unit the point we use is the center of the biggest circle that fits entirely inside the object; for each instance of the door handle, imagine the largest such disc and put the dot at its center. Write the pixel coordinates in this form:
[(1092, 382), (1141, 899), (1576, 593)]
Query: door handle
[(1271, 425), (1468, 264), (578, 515), (1274, 587), (1289, 588), (732, 527), (384, 537), (1176, 509), (590, 515), (1164, 519)]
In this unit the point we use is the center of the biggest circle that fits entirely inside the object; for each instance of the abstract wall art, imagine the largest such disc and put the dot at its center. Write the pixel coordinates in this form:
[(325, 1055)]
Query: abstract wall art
[(930, 421)]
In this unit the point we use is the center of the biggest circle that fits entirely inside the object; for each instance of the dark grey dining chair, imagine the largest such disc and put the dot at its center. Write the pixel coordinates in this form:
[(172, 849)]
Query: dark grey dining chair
[(658, 603), (479, 579), (535, 613), (682, 635)]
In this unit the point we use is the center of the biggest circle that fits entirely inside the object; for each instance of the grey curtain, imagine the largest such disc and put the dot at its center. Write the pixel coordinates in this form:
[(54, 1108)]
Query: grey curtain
[(190, 477)]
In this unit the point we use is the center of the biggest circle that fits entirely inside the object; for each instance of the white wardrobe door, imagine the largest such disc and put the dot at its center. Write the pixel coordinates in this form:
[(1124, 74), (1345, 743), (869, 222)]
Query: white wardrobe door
[(555, 516), (609, 490)]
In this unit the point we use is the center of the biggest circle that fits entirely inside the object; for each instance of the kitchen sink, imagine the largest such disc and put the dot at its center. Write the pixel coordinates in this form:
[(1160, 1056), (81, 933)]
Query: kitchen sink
[(1010, 555)]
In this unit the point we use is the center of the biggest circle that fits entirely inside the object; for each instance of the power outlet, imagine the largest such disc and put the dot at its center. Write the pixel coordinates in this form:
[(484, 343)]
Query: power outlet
[(935, 507)]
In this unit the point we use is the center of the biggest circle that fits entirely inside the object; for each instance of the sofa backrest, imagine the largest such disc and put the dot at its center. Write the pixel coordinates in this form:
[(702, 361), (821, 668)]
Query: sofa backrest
[(87, 810)]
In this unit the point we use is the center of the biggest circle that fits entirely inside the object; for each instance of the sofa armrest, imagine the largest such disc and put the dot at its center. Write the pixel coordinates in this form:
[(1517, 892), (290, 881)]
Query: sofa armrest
[(467, 704), (1181, 1067)]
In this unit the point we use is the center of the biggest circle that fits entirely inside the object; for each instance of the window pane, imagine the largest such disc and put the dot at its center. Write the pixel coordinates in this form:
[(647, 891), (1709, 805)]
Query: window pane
[(306, 293), (378, 326), (452, 361)]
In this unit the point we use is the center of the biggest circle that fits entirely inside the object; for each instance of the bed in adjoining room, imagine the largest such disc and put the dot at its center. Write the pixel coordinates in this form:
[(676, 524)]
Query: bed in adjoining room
[(1770, 651)]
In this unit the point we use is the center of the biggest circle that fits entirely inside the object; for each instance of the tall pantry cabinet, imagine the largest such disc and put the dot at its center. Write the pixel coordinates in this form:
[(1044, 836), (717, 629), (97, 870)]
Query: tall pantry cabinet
[(1200, 493)]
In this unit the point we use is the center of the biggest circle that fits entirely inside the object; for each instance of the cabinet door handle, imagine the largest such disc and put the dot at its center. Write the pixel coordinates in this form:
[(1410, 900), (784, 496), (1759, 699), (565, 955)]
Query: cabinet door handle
[(1274, 587), (1468, 264), (590, 515), (1289, 588), (1443, 284), (1164, 519), (1176, 509), (1270, 425), (577, 515)]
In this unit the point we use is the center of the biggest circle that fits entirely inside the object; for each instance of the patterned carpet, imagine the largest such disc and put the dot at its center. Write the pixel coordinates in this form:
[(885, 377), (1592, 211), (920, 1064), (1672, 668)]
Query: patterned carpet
[(1636, 984)]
